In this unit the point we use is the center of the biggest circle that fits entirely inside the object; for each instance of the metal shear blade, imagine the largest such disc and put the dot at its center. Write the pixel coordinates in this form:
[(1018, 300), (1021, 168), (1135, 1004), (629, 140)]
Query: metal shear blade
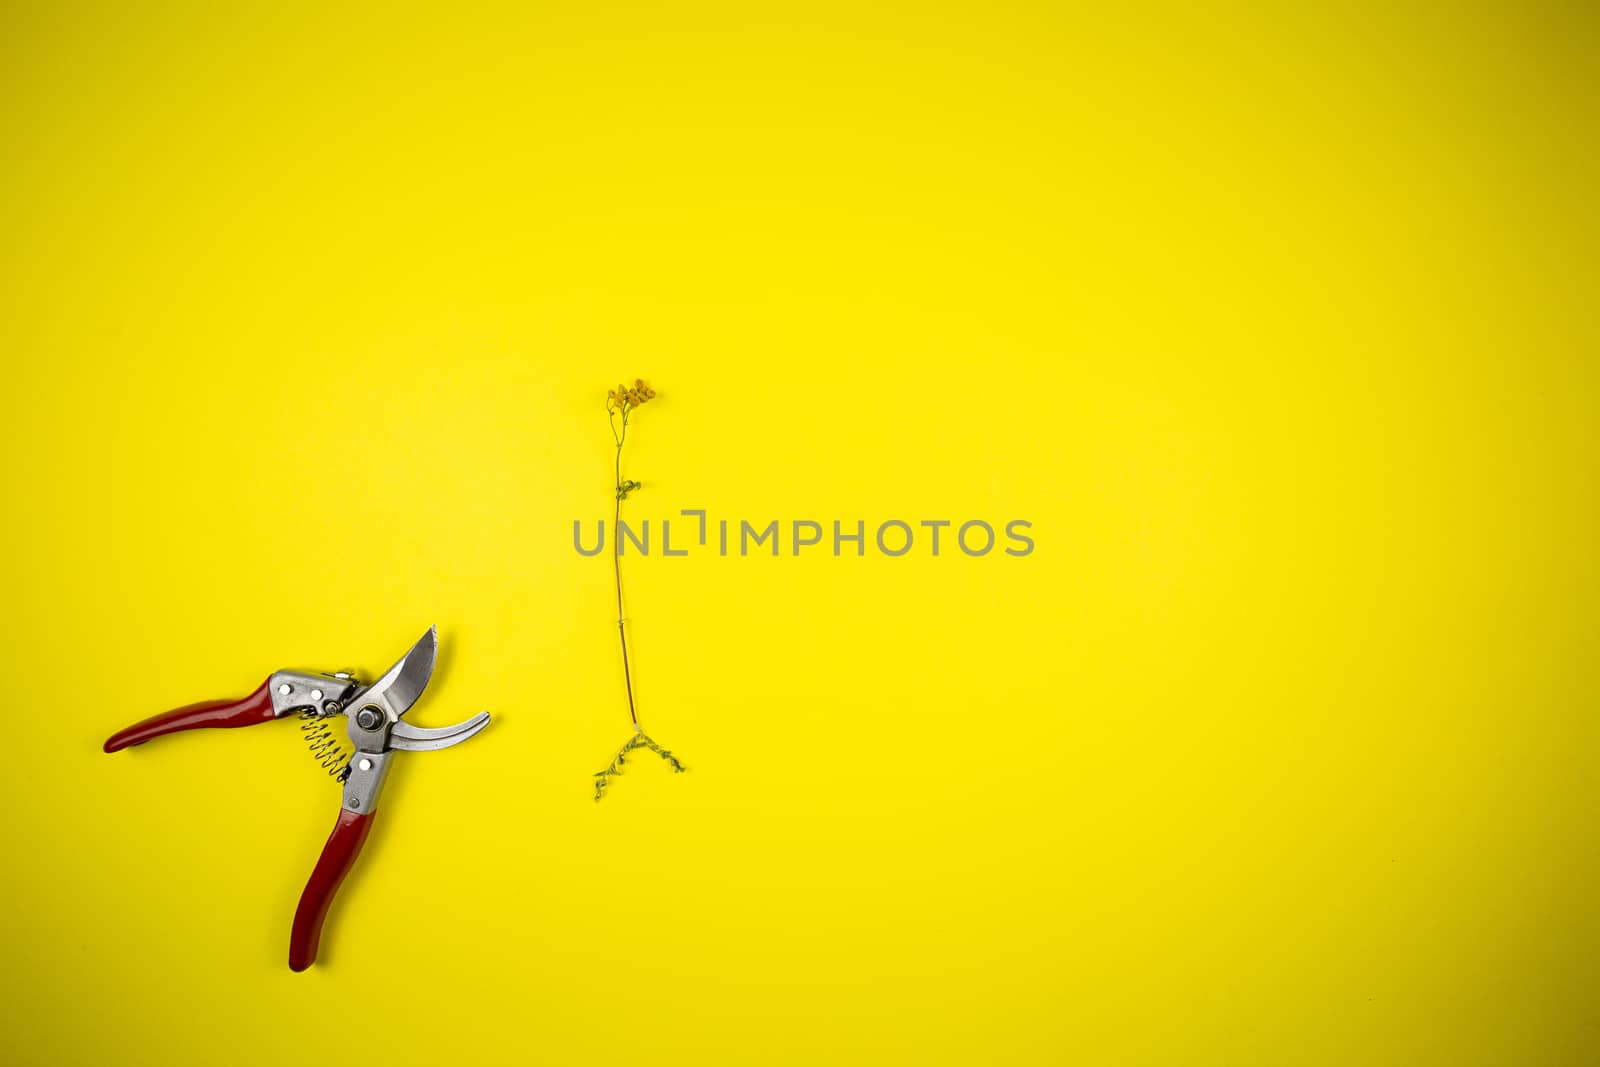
[(417, 739), (403, 683)]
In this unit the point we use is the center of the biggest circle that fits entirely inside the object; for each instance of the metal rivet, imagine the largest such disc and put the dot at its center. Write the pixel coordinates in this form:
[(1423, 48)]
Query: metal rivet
[(365, 765), (316, 696), (283, 690)]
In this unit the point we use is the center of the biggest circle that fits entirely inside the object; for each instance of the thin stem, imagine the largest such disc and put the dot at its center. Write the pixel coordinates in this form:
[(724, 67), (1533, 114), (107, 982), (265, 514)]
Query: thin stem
[(616, 566)]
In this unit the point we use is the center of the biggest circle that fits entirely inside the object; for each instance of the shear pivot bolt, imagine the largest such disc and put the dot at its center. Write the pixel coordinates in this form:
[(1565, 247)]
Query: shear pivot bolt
[(369, 718)]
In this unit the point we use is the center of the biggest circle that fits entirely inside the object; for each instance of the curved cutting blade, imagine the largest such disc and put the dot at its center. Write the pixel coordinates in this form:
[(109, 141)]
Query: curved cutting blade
[(403, 683), (416, 739)]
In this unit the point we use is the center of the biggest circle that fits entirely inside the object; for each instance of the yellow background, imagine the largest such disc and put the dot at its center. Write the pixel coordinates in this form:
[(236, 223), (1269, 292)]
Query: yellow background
[(1280, 329)]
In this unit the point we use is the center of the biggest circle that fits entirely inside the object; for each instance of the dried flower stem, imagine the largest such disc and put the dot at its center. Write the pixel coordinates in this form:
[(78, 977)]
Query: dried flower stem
[(616, 560), (621, 401)]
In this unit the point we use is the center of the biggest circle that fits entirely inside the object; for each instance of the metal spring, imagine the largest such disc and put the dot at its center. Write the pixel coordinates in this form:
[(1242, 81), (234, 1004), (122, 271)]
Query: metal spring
[(326, 748)]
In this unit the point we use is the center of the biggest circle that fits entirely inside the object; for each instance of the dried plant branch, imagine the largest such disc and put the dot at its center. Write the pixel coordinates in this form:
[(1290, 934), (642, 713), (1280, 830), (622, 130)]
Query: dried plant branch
[(621, 403), (638, 740)]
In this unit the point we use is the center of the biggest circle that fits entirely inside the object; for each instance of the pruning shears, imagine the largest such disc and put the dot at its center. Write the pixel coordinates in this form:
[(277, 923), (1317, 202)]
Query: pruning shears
[(376, 733)]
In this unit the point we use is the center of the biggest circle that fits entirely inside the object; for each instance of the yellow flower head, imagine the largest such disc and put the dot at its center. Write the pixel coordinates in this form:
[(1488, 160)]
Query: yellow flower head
[(627, 397)]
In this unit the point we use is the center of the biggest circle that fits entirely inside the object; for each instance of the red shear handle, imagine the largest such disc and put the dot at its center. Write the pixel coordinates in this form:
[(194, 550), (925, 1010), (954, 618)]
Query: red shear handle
[(338, 856), (257, 707)]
